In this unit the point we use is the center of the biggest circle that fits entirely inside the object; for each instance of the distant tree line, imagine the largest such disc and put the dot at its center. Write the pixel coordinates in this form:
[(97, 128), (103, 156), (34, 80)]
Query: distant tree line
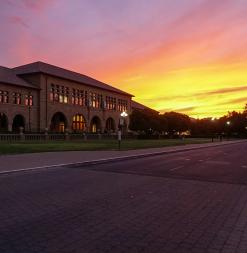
[(172, 124)]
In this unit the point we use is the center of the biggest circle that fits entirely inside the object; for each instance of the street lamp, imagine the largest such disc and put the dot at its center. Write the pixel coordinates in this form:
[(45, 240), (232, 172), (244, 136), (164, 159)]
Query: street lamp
[(29, 117), (213, 128), (122, 119), (228, 123), (123, 115)]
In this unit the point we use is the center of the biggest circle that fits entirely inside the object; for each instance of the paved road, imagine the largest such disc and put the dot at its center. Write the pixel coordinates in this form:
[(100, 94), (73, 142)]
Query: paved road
[(195, 201), (218, 164)]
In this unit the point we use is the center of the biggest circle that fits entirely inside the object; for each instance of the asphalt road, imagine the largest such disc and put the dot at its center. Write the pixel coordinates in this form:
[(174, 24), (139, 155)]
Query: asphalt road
[(218, 164), (194, 201)]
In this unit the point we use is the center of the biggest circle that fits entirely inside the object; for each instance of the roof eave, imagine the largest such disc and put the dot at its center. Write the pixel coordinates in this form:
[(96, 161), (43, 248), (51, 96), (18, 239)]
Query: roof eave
[(18, 85), (45, 73)]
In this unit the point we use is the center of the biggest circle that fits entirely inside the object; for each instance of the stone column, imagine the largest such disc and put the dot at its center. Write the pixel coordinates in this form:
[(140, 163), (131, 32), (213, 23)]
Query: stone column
[(67, 134), (46, 134), (22, 137), (10, 127)]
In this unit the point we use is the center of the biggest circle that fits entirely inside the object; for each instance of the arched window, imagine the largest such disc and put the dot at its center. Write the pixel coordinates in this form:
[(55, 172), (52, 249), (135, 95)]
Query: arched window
[(110, 125), (3, 123), (79, 123), (58, 122), (95, 125), (18, 122)]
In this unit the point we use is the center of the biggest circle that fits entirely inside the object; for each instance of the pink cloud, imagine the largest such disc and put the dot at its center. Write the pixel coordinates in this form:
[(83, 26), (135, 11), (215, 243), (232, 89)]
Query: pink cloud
[(37, 5), (17, 20)]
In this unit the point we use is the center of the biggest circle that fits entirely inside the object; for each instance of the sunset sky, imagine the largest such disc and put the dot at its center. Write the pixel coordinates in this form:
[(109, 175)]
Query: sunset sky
[(188, 56)]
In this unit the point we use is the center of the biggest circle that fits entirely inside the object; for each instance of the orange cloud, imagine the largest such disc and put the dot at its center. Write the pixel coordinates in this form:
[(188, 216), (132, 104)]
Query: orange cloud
[(188, 56)]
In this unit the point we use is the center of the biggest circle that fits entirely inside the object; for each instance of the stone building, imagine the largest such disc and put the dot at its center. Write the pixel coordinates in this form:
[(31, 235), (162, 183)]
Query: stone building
[(140, 107), (40, 97)]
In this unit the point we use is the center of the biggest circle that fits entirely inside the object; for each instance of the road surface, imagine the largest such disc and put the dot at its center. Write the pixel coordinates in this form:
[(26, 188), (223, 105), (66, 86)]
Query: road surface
[(193, 201)]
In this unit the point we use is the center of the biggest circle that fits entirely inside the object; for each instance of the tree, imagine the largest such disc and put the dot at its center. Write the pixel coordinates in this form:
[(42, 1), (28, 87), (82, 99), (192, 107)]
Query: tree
[(176, 122), (144, 120), (173, 122), (245, 110)]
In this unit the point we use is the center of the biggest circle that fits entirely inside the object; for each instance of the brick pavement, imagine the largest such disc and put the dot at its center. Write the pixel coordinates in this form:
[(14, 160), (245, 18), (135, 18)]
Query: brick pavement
[(82, 210)]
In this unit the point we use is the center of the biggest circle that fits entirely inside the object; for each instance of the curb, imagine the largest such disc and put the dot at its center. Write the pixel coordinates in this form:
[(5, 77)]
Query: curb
[(120, 158)]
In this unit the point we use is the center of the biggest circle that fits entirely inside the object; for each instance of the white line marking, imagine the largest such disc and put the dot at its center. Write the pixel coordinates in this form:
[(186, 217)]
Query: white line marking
[(244, 166), (187, 159)]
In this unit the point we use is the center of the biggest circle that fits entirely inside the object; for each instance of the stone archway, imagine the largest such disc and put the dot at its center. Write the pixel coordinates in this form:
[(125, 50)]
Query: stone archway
[(78, 123), (110, 125), (58, 123), (3, 122), (18, 122), (95, 125)]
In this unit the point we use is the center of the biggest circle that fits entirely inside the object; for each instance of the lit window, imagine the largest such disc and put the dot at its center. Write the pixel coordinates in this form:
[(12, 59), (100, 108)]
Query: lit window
[(59, 94), (79, 123), (5, 97), (122, 105), (29, 100), (96, 100), (52, 92), (110, 103), (16, 98)]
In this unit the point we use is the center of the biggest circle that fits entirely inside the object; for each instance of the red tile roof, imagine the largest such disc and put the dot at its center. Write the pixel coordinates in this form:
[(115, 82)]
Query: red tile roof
[(41, 67), (8, 76)]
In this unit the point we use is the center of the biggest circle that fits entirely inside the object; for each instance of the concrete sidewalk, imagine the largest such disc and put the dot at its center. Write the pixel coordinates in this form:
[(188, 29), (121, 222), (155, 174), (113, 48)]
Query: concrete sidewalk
[(11, 163)]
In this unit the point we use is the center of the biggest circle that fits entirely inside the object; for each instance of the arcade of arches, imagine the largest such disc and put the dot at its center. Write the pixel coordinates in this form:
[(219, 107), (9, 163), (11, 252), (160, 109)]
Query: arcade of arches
[(17, 124), (59, 123)]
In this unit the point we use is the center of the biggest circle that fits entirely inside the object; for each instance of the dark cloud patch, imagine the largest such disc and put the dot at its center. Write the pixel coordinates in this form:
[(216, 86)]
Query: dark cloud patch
[(181, 110), (200, 95), (162, 98), (17, 20), (235, 101), (222, 91)]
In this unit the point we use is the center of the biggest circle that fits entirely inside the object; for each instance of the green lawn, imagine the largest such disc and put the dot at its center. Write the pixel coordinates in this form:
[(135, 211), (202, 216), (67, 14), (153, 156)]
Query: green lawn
[(29, 147)]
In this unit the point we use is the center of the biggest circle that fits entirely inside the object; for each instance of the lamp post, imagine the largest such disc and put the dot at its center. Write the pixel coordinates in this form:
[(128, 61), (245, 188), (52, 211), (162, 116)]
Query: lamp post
[(123, 115), (228, 123), (212, 128), (29, 117)]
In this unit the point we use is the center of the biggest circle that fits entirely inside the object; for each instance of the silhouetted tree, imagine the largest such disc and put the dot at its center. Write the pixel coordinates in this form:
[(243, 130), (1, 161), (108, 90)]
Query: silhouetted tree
[(176, 122), (149, 122), (145, 120)]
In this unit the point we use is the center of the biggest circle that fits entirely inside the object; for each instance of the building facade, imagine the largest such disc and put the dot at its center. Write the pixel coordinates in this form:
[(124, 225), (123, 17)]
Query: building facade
[(41, 97)]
